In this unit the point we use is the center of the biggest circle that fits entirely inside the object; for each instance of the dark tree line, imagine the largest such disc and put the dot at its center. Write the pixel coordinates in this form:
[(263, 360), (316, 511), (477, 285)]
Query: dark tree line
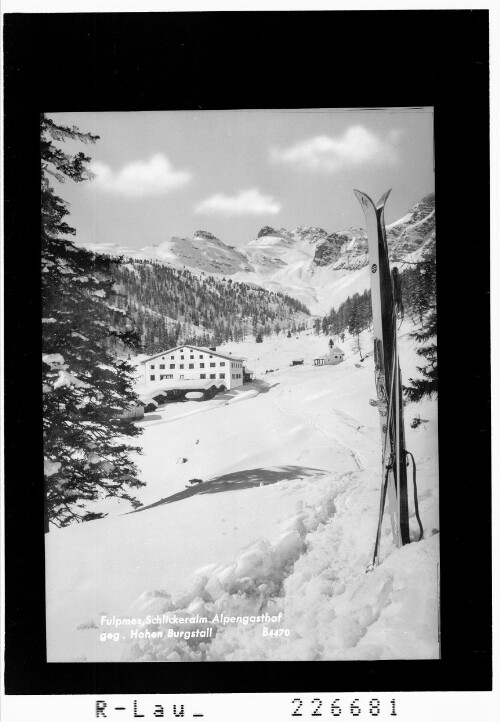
[(170, 306), (353, 315), (418, 293), (420, 289), (85, 386)]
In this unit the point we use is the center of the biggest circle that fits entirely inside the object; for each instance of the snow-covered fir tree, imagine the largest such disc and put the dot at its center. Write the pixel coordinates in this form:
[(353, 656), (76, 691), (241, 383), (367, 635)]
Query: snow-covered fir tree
[(420, 296), (418, 289), (86, 387)]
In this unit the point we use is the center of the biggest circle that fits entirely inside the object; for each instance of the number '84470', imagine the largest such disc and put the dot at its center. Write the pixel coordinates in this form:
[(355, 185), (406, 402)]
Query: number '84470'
[(319, 708)]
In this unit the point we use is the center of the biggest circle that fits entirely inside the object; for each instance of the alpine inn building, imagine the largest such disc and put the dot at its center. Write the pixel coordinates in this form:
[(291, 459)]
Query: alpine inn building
[(190, 363)]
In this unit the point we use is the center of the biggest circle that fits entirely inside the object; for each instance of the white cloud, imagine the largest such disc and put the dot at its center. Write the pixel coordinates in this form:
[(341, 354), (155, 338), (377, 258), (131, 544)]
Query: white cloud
[(250, 202), (141, 178), (355, 147)]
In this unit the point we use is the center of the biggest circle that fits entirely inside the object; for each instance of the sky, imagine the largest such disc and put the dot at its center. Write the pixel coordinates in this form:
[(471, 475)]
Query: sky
[(163, 174)]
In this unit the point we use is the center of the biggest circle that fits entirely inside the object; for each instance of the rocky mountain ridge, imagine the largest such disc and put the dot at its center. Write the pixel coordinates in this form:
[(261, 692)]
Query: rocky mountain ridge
[(349, 249), (308, 262)]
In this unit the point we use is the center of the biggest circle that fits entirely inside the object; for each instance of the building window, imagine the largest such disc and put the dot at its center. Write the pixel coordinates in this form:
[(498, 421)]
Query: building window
[(182, 357), (191, 357), (162, 366), (181, 376), (210, 356), (203, 376), (201, 355), (213, 376), (202, 366), (222, 376), (191, 366), (181, 366), (172, 358), (212, 365), (152, 366), (222, 363), (166, 376), (172, 366), (152, 378)]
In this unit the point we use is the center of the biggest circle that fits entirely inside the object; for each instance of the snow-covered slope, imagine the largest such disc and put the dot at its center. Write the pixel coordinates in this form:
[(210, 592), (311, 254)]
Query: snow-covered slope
[(203, 252), (414, 231), (283, 523), (308, 263), (406, 236)]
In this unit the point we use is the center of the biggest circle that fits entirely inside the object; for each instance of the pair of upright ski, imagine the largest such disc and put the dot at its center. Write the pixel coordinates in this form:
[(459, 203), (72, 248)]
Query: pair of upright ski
[(385, 297)]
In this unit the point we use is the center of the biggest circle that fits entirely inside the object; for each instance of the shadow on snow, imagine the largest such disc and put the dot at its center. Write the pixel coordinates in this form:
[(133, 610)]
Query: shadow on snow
[(239, 480)]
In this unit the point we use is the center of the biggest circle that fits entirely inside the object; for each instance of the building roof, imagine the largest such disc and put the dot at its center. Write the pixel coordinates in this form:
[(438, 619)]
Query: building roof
[(336, 349), (194, 348)]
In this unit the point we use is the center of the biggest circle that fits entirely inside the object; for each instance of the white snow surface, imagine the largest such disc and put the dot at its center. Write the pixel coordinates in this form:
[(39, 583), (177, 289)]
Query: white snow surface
[(283, 522)]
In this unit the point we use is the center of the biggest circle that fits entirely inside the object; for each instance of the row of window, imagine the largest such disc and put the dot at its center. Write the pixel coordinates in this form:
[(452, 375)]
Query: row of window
[(235, 364), (202, 376), (236, 376), (191, 356), (191, 366), (172, 358)]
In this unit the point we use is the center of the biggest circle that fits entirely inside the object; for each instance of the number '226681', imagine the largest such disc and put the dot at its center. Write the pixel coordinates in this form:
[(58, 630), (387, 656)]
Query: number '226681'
[(335, 708)]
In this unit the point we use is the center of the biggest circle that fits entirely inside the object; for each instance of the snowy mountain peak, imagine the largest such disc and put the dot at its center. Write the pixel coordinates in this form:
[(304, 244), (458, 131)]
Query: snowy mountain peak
[(318, 268), (266, 231), (204, 252), (268, 236), (310, 234), (411, 233), (408, 235), (206, 234)]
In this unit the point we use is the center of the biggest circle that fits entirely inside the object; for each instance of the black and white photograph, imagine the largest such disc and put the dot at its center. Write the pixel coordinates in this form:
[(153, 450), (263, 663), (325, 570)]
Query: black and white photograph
[(240, 385), (248, 252)]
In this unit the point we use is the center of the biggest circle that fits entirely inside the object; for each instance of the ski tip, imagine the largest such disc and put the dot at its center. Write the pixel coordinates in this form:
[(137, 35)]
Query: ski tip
[(363, 198), (381, 203)]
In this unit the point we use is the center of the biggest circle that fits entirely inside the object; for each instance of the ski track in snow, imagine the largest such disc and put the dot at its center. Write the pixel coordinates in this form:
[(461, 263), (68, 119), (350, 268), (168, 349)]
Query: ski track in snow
[(227, 645), (308, 564), (252, 584), (314, 574), (331, 437)]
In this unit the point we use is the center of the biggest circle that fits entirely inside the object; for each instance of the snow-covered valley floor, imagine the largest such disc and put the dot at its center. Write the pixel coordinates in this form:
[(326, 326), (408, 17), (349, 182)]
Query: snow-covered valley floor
[(283, 524)]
